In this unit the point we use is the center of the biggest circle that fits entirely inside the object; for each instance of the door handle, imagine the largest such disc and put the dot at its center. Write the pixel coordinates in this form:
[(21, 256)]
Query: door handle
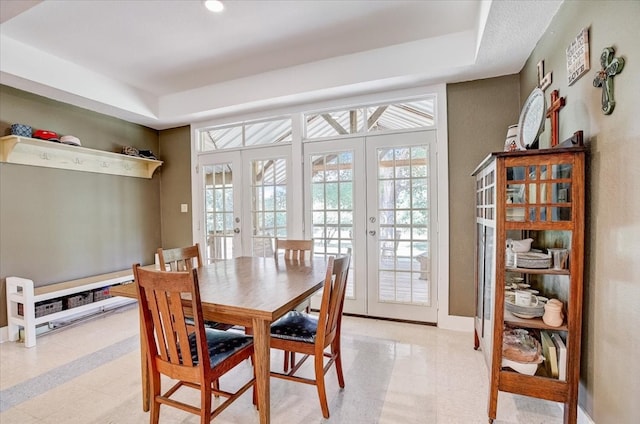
[(236, 230), (372, 233)]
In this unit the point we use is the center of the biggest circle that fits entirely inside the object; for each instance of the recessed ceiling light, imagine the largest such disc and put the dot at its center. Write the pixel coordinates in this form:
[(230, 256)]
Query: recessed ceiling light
[(214, 5)]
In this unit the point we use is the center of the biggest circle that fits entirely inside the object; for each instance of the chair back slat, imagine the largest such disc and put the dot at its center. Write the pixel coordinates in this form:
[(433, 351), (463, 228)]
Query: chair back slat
[(180, 258), (293, 249)]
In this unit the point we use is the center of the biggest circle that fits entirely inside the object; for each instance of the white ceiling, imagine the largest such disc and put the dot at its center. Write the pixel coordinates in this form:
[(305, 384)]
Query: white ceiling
[(167, 63)]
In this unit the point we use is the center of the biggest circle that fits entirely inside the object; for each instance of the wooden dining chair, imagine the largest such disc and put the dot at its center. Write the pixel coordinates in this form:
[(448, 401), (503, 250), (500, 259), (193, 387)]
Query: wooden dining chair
[(297, 250), (311, 336), (183, 259), (194, 355), (293, 249), (180, 258)]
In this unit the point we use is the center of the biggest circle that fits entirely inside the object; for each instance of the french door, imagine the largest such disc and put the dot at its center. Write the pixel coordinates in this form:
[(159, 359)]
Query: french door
[(335, 171), (244, 201), (377, 195)]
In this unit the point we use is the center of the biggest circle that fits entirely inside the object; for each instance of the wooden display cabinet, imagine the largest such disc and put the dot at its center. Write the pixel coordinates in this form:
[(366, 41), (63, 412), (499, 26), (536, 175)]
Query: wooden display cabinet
[(537, 194)]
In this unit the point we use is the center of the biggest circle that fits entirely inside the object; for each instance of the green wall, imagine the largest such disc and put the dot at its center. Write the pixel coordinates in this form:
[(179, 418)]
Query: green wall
[(610, 374), (479, 113), (57, 225), (175, 144)]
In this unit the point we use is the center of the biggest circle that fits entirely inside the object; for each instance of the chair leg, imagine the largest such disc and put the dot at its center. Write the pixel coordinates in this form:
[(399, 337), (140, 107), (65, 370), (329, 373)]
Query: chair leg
[(289, 361), (293, 359), (205, 403), (335, 350), (216, 386), (322, 393), (154, 405), (254, 388)]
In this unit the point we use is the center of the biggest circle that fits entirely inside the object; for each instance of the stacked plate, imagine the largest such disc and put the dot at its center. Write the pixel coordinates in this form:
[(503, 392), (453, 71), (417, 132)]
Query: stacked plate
[(533, 260), (534, 311)]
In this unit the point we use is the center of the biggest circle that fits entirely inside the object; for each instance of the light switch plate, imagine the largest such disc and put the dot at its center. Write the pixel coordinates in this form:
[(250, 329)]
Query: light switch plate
[(184, 207)]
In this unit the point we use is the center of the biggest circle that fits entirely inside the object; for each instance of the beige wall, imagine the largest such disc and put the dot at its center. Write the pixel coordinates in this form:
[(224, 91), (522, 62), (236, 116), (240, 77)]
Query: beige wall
[(57, 225), (479, 113), (176, 187), (610, 375)]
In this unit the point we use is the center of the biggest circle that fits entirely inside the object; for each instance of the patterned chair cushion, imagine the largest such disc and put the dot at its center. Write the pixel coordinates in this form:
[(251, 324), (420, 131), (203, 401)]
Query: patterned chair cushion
[(209, 324), (296, 326), (221, 344)]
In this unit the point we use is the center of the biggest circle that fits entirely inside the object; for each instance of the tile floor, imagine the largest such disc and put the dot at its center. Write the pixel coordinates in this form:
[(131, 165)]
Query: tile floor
[(395, 373)]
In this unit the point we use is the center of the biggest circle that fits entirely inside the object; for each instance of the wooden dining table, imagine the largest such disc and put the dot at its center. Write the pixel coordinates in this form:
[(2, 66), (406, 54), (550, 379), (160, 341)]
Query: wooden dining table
[(250, 292)]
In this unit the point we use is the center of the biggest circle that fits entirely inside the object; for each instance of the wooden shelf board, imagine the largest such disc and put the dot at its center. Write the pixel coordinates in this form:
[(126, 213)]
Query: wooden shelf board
[(547, 271), (533, 385), (514, 321), (48, 154)]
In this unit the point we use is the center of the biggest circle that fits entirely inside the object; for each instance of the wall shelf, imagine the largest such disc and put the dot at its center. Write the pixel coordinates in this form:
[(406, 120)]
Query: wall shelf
[(35, 152)]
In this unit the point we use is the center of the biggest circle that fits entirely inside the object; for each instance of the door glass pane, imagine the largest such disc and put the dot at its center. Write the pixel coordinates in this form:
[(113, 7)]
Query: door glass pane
[(332, 206), (218, 201), (403, 193), (268, 204)]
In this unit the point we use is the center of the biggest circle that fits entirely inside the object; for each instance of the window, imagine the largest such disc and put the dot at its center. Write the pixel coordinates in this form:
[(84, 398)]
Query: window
[(245, 135), (368, 119)]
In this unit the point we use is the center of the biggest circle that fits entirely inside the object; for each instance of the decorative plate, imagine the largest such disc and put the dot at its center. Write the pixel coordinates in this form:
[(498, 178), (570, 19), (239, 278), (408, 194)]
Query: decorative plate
[(531, 119)]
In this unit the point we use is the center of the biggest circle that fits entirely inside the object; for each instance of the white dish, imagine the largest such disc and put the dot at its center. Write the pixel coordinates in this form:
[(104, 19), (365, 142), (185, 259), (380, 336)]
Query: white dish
[(521, 367), (531, 119)]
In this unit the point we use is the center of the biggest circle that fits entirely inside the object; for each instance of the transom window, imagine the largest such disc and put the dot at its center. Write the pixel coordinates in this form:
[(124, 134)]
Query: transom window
[(245, 134), (369, 119)]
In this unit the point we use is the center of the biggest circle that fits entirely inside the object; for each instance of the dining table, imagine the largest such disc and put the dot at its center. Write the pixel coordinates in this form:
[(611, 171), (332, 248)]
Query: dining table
[(251, 292)]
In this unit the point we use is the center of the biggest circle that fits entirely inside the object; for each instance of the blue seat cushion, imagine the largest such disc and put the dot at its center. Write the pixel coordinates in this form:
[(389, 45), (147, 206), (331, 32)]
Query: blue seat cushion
[(221, 345), (209, 324), (296, 326)]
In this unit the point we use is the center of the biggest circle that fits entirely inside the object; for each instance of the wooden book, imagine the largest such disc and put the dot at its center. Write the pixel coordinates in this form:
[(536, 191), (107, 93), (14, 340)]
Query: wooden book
[(550, 354)]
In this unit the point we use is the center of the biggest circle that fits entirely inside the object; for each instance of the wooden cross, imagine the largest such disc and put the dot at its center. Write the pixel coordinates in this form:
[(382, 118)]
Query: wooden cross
[(553, 112), (544, 81), (604, 78)]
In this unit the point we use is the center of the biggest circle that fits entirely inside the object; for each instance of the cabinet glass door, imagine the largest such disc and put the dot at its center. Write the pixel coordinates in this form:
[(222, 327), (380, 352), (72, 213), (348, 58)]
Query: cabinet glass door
[(539, 192)]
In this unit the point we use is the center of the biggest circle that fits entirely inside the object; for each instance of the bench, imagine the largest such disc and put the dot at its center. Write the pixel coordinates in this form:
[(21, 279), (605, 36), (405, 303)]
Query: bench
[(58, 300)]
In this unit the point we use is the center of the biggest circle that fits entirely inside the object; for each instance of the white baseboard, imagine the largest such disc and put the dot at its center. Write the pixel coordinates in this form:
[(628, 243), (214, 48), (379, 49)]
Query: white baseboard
[(583, 417), (456, 323)]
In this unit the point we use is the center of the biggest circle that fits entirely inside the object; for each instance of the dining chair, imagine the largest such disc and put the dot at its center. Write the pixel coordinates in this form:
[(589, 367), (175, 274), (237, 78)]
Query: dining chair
[(311, 336), (183, 259), (293, 249), (194, 355), (180, 258), (296, 250)]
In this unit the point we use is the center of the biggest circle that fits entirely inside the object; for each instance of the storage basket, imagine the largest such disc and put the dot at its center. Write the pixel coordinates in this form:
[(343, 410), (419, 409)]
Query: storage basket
[(79, 299), (101, 294), (43, 308)]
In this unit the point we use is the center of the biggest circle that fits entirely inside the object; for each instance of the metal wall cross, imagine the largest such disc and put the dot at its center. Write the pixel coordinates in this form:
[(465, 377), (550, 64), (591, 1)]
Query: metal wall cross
[(604, 78)]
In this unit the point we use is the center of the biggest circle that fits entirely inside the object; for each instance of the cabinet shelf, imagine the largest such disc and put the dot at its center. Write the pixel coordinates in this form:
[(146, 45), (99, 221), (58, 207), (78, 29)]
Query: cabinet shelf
[(536, 323), (540, 271), (35, 152)]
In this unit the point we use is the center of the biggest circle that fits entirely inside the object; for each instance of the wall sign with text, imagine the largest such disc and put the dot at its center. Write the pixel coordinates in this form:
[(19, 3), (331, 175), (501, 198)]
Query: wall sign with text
[(578, 56)]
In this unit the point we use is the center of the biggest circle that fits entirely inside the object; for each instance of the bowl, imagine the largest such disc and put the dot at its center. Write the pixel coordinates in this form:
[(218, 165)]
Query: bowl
[(535, 310), (528, 368), (21, 130), (522, 246)]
